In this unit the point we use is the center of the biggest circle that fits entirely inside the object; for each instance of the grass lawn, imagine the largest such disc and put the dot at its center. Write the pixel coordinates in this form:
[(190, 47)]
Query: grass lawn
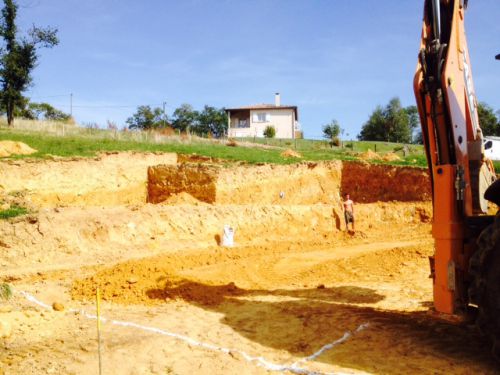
[(103, 141), (316, 144)]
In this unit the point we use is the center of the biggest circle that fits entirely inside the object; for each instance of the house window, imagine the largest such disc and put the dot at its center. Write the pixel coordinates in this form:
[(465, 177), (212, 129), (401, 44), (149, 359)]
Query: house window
[(243, 123), (262, 117)]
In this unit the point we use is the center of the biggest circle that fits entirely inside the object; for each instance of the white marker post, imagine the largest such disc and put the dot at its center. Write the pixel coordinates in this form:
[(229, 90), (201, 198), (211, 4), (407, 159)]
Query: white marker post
[(98, 297)]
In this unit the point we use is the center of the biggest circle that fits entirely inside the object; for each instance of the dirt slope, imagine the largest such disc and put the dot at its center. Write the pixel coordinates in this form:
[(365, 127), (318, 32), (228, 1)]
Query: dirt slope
[(108, 180)]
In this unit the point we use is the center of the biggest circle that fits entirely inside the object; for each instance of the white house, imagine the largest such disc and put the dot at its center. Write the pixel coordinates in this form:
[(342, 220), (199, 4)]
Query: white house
[(251, 121)]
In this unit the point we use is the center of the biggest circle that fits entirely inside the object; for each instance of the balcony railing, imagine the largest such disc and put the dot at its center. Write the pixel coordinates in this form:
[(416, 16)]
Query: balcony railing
[(241, 124)]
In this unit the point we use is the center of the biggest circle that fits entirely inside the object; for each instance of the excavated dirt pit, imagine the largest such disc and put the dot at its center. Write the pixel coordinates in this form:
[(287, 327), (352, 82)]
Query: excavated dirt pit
[(176, 302)]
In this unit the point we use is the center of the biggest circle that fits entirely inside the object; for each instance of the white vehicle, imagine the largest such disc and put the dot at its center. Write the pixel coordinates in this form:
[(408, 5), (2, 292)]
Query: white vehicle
[(492, 147)]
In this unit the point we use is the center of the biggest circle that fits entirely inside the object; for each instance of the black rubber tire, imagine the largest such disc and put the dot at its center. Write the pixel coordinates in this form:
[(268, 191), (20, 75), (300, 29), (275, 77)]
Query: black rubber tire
[(484, 267)]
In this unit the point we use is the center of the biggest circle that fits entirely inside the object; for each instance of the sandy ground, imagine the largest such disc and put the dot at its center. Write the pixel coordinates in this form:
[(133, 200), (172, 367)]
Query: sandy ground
[(177, 303)]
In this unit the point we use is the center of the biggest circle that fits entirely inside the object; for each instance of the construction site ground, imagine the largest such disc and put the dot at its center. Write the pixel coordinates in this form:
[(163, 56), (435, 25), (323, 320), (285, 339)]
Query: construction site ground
[(174, 301)]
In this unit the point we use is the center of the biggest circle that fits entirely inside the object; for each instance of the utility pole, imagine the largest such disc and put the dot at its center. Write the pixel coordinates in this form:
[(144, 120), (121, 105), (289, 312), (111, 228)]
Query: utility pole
[(71, 104)]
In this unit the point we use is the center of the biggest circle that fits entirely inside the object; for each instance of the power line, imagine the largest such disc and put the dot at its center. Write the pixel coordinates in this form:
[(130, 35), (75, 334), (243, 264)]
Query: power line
[(49, 96), (112, 106), (72, 105)]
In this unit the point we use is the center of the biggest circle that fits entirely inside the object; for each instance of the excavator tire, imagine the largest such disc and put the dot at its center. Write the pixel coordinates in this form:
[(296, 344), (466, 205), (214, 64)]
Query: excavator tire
[(484, 291)]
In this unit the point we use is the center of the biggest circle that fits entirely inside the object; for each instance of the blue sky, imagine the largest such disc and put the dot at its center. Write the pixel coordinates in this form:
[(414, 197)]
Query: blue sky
[(334, 59)]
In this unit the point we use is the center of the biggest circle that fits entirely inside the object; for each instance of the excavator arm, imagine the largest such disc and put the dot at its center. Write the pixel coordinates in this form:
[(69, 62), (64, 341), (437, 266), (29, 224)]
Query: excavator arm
[(453, 142)]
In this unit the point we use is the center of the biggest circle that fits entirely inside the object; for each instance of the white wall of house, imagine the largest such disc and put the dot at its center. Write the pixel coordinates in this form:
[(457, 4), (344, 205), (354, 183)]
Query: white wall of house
[(282, 120)]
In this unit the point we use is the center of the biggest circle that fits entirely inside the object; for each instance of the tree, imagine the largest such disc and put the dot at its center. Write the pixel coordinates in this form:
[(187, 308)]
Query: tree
[(418, 139), (146, 118), (489, 123), (185, 117), (374, 128), (397, 122), (269, 132), (389, 124), (18, 57), (413, 122), (331, 130), (42, 111), (212, 120)]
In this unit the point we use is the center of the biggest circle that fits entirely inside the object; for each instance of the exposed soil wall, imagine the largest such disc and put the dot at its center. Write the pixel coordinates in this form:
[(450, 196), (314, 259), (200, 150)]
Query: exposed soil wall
[(110, 179), (305, 183), (135, 178), (198, 180), (381, 183)]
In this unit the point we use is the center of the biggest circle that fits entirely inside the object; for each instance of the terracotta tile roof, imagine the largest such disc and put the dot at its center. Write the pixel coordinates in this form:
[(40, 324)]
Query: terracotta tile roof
[(261, 106)]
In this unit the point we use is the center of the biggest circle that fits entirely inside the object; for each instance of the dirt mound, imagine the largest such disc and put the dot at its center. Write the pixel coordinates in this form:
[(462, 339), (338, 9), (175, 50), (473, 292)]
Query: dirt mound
[(390, 156), (8, 148), (369, 155), (232, 143), (153, 282), (291, 154), (195, 158)]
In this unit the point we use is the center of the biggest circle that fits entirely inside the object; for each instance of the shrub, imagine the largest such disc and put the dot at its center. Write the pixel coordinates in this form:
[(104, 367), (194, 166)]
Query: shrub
[(5, 291), (331, 130), (349, 145), (12, 212), (335, 142), (269, 132)]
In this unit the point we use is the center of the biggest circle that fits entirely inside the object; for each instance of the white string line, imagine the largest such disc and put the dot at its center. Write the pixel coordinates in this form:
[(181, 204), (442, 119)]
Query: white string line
[(331, 345), (260, 361)]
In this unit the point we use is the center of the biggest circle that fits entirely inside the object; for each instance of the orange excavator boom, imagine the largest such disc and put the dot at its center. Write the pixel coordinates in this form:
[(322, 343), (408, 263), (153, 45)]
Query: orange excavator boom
[(453, 141)]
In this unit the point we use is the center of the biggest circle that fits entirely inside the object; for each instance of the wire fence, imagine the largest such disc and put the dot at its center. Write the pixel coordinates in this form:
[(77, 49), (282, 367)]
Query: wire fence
[(68, 129)]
